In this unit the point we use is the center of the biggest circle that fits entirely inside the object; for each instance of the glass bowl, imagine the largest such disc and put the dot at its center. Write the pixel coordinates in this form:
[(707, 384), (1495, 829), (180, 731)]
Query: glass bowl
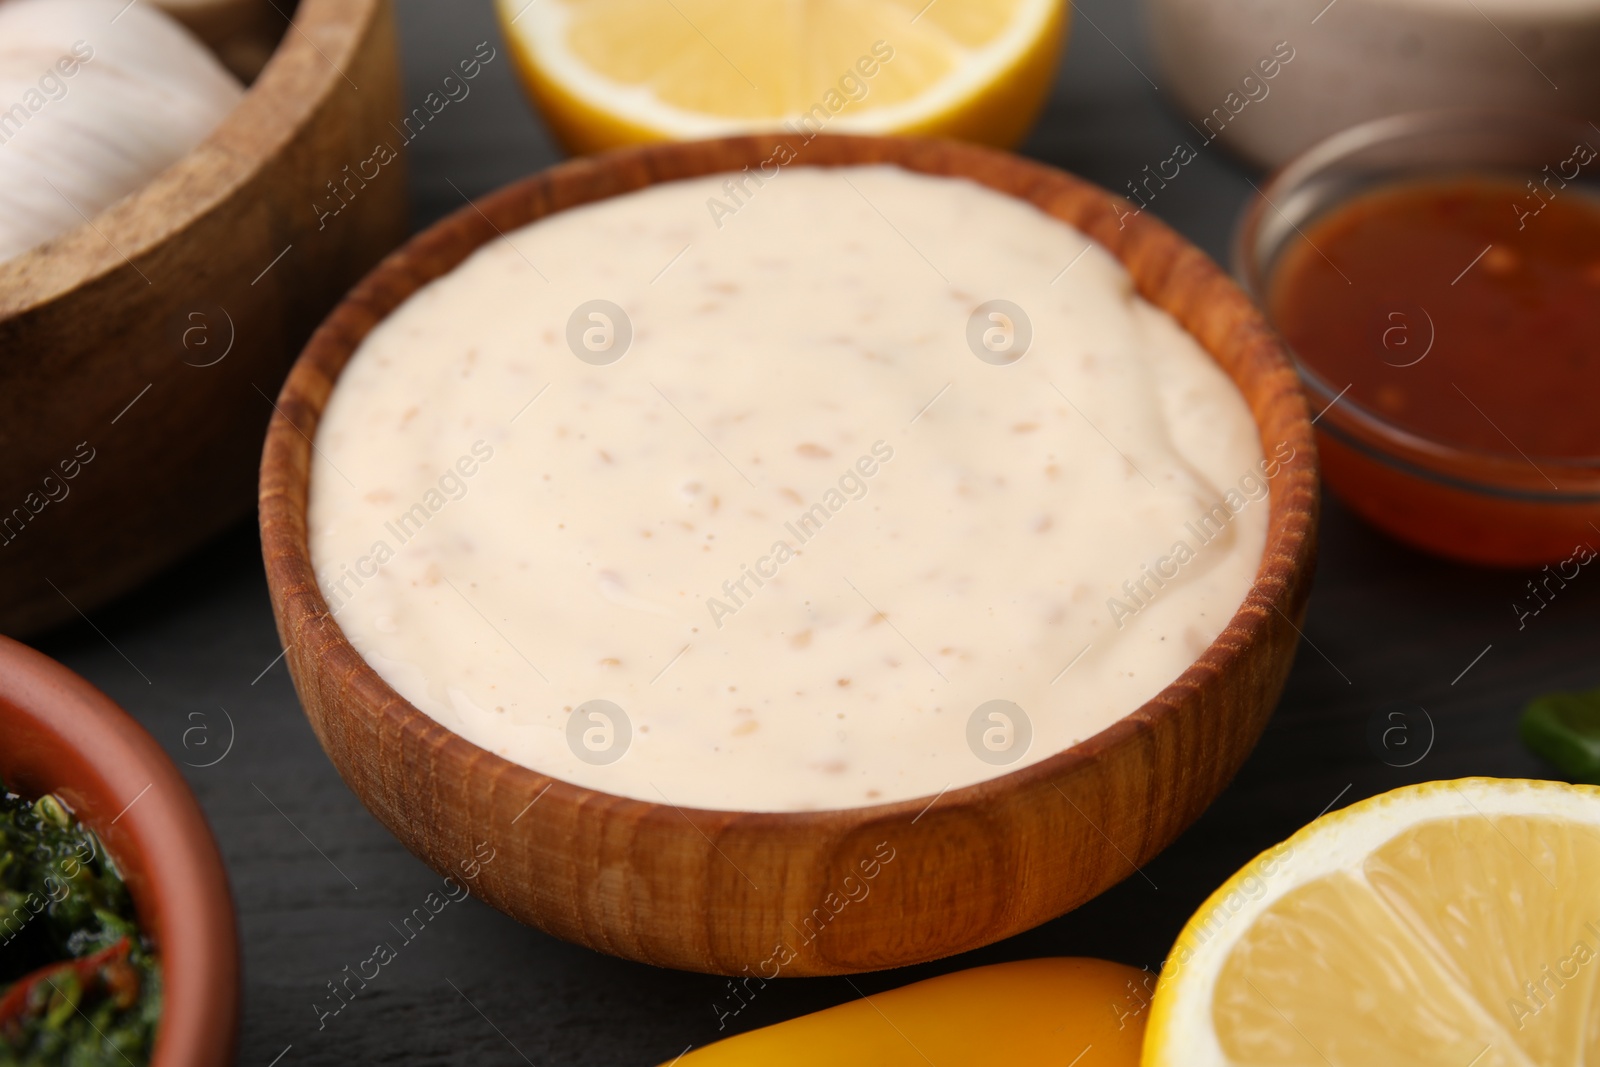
[(1480, 506)]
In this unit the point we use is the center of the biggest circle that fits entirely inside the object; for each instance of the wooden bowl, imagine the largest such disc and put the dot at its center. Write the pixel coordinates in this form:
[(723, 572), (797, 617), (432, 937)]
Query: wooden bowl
[(139, 352), (748, 893), (64, 736)]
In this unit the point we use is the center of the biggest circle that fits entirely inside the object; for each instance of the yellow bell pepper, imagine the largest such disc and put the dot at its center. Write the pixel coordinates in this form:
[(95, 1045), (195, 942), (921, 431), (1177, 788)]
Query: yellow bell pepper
[(1061, 1012)]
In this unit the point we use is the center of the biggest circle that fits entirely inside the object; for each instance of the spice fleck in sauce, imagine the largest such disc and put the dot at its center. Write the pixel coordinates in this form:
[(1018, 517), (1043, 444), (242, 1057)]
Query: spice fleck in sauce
[(800, 531), (1464, 311)]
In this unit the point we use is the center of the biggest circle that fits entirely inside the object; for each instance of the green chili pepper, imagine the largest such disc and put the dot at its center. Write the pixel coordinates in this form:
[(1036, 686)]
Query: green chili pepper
[(1564, 728)]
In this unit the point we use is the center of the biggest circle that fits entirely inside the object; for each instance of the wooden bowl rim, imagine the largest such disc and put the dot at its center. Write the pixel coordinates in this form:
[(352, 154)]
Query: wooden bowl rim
[(273, 110), (303, 611), (66, 736)]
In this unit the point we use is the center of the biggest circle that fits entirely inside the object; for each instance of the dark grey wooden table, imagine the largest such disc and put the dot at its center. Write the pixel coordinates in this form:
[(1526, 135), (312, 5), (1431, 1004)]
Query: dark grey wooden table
[(319, 882)]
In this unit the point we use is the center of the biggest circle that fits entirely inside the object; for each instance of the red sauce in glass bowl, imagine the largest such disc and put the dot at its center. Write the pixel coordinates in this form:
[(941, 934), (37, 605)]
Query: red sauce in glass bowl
[(1453, 327)]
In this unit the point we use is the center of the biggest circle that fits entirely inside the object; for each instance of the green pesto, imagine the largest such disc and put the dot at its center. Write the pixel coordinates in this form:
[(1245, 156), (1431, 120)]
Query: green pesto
[(62, 900)]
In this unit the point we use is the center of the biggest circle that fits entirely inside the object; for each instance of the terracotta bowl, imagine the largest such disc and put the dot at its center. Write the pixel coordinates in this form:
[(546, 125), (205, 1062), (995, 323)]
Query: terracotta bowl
[(64, 736), (728, 892), (138, 351)]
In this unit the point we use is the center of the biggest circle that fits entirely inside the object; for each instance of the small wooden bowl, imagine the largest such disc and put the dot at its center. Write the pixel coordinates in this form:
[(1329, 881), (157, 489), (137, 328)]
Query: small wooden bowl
[(150, 339), (760, 893), (64, 736)]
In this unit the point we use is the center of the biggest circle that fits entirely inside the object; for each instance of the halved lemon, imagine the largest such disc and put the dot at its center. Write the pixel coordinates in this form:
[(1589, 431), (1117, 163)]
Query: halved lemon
[(1448, 924), (613, 72)]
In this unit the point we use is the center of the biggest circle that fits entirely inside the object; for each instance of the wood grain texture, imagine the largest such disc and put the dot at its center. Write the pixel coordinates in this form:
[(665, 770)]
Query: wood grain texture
[(101, 350), (725, 891), (64, 736)]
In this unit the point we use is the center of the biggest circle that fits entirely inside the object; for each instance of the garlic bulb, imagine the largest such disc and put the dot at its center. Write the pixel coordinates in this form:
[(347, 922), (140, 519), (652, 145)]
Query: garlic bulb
[(230, 9), (242, 33), (97, 97)]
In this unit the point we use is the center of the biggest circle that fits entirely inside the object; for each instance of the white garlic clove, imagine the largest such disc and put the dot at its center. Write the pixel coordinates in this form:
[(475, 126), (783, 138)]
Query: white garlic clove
[(97, 97), (242, 33)]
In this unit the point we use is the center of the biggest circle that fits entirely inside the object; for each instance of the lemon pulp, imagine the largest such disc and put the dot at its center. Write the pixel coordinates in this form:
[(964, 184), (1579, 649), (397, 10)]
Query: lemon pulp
[(1467, 940)]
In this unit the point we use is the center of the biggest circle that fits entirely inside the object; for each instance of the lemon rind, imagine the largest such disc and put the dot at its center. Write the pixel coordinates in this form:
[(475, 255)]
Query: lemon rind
[(542, 28)]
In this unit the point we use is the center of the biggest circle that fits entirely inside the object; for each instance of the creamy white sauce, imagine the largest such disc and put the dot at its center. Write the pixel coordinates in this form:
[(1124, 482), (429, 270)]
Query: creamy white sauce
[(927, 531)]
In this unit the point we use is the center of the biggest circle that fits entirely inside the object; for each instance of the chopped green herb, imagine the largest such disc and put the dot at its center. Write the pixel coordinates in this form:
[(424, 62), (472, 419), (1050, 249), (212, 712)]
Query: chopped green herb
[(79, 982)]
